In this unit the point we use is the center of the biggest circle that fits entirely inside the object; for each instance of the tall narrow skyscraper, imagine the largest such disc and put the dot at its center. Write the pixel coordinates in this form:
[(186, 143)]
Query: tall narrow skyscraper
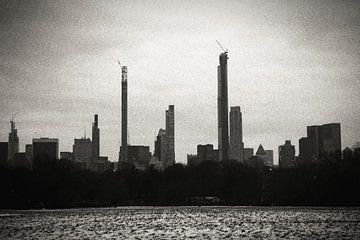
[(95, 148), (13, 145), (223, 129), (124, 113), (170, 132), (236, 140)]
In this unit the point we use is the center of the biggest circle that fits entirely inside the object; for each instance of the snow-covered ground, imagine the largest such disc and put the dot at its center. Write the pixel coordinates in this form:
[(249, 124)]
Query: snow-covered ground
[(182, 223)]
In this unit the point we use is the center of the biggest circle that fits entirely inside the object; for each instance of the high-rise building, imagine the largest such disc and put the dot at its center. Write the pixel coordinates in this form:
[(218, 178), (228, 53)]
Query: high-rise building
[(95, 148), (205, 152), (45, 150), (170, 133), (21, 160), (161, 145), (287, 155), (13, 145), (82, 151), (29, 152), (236, 151), (269, 160), (67, 156), (267, 156), (3, 153), (331, 138), (305, 151), (139, 156), (223, 129), (321, 141), (248, 153), (124, 114), (165, 140)]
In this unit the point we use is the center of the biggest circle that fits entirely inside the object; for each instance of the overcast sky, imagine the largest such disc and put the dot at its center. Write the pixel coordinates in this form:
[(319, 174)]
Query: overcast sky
[(291, 64)]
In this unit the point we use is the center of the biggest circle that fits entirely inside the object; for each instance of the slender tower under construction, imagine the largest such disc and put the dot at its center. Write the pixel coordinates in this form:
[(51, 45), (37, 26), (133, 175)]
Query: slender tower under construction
[(223, 125), (95, 145), (124, 115)]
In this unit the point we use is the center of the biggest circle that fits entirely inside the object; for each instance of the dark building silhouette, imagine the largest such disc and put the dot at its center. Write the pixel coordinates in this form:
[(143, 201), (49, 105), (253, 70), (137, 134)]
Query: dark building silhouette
[(13, 145), (321, 141), (21, 160), (248, 153), (3, 153), (161, 145), (267, 156), (204, 153), (139, 156), (29, 152), (170, 133), (223, 129), (124, 115), (67, 155), (165, 140), (287, 155), (95, 147), (45, 150), (192, 160), (255, 162), (82, 152), (305, 150), (207, 153), (236, 138)]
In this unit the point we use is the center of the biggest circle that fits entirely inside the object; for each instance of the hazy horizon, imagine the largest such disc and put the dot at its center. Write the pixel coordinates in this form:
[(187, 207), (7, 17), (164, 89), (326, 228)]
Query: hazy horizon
[(291, 64)]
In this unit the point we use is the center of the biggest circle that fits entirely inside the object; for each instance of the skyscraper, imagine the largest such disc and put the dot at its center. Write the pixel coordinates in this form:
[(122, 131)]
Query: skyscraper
[(267, 156), (223, 129), (165, 140), (321, 141), (161, 145), (4, 153), (45, 150), (82, 152), (287, 155), (95, 149), (170, 132), (236, 140), (13, 145), (124, 113)]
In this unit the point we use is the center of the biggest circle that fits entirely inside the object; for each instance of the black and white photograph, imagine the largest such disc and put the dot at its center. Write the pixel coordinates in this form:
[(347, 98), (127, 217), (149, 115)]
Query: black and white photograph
[(179, 119)]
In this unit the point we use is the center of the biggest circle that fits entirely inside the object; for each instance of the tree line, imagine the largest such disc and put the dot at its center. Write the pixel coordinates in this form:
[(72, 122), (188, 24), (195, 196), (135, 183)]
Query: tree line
[(61, 184)]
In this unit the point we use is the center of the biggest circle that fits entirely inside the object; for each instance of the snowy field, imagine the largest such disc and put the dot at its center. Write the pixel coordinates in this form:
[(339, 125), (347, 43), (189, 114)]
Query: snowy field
[(182, 223)]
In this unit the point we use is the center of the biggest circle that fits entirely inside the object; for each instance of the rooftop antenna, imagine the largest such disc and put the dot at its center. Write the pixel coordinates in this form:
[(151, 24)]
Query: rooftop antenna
[(119, 63), (221, 46)]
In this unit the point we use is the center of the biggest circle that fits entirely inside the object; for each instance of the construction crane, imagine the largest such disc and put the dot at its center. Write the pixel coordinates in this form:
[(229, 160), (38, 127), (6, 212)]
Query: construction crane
[(13, 116), (221, 46)]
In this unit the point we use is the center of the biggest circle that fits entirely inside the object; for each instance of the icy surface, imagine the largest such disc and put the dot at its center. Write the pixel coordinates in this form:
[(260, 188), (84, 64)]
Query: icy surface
[(182, 223)]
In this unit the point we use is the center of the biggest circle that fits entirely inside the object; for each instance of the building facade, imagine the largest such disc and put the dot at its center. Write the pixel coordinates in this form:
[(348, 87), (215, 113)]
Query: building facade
[(13, 144), (248, 153), (45, 150), (287, 155), (82, 151), (4, 154), (267, 156), (170, 133), (124, 117), (95, 143), (236, 151), (322, 141), (223, 126)]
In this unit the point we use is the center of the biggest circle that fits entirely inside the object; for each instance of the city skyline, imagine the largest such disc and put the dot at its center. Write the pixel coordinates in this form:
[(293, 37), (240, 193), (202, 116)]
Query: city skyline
[(281, 88)]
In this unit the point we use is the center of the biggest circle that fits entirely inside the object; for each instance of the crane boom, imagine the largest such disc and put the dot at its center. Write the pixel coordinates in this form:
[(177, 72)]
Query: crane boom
[(221, 46)]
